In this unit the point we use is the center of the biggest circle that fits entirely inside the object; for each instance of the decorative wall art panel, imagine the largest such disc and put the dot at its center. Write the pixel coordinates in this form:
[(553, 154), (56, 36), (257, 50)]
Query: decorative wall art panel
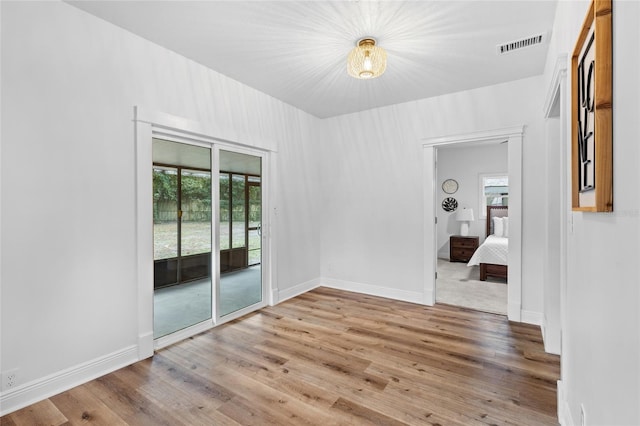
[(591, 109), (449, 204)]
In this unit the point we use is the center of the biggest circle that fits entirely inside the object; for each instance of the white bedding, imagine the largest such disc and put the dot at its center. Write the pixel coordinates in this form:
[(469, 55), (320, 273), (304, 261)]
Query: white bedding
[(493, 250)]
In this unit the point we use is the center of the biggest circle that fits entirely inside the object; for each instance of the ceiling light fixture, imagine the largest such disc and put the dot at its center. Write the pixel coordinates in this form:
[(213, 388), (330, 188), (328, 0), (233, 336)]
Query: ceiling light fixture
[(367, 60)]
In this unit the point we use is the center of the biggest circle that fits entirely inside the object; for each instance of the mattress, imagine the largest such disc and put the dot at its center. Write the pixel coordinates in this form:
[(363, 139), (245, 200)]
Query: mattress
[(494, 250)]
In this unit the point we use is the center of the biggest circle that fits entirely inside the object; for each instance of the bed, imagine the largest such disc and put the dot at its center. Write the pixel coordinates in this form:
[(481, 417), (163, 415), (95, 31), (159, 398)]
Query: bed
[(492, 255)]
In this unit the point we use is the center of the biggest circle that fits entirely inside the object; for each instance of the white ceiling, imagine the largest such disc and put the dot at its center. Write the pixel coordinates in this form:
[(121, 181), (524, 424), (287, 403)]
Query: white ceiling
[(295, 51)]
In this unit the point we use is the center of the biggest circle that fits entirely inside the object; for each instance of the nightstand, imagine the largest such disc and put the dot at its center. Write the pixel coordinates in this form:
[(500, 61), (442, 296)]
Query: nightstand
[(462, 248)]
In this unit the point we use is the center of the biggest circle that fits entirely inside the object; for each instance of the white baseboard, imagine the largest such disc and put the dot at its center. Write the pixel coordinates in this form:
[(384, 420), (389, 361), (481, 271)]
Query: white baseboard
[(513, 311), (429, 297), (531, 317), (564, 413), (297, 290), (273, 294), (517, 314), (374, 290), (38, 390), (551, 338), (145, 345)]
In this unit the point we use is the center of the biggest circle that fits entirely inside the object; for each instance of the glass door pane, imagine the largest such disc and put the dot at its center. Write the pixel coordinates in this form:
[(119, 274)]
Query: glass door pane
[(225, 212), (238, 222), (165, 225), (240, 259), (182, 236), (195, 231)]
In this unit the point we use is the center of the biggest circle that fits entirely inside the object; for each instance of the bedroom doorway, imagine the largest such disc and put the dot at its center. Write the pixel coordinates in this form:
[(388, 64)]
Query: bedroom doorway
[(475, 176), (433, 202)]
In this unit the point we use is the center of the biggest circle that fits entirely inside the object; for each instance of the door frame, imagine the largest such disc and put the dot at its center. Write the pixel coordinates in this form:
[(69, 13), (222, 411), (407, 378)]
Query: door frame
[(152, 124), (514, 137), (556, 107)]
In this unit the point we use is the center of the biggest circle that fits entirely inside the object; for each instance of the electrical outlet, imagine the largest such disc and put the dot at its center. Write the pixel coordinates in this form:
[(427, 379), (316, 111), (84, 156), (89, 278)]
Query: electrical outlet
[(9, 379), (583, 416)]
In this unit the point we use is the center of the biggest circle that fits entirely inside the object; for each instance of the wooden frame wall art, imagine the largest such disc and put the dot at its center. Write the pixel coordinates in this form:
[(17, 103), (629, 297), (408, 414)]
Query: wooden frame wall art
[(591, 112)]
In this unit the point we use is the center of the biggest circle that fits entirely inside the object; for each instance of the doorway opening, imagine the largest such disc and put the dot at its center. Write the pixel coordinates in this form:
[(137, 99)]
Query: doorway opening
[(433, 202), (475, 176)]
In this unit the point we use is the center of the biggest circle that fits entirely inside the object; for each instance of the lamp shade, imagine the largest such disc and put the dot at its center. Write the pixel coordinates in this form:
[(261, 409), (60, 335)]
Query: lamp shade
[(366, 60), (464, 215)]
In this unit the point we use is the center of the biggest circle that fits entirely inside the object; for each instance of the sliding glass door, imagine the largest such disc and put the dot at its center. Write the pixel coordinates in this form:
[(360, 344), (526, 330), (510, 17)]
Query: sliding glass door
[(240, 215), (191, 277)]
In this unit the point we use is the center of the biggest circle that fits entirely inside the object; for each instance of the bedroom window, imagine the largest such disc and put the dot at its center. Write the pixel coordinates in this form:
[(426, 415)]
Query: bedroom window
[(494, 191)]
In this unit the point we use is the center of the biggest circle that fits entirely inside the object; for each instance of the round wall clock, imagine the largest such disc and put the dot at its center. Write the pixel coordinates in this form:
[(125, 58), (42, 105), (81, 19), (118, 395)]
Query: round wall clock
[(450, 186), (449, 204)]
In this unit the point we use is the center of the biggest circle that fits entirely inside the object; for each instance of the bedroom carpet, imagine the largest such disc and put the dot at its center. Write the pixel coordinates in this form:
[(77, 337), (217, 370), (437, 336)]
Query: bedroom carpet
[(459, 285)]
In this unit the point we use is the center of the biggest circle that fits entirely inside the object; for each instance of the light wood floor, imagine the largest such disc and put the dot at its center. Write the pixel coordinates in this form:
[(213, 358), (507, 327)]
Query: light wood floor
[(328, 357)]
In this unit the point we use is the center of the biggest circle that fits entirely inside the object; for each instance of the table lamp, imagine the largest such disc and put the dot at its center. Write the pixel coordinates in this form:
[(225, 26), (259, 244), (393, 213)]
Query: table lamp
[(464, 216)]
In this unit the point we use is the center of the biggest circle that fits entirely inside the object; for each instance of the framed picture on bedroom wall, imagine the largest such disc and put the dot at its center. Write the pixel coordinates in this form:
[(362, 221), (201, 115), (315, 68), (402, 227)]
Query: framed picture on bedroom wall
[(591, 112)]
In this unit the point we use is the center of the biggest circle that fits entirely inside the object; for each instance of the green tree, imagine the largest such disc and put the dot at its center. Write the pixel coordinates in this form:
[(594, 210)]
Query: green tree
[(165, 184)]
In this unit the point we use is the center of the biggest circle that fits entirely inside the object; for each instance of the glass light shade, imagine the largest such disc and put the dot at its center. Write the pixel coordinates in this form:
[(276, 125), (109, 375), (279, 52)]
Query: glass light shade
[(367, 60), (464, 215)]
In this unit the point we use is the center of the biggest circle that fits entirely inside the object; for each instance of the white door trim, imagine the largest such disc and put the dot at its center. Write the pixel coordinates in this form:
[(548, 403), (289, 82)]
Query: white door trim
[(514, 137), (556, 106)]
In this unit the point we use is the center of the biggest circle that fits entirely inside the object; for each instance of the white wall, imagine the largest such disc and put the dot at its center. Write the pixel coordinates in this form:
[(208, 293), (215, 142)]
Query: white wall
[(601, 324), (465, 164), (372, 229), (69, 84)]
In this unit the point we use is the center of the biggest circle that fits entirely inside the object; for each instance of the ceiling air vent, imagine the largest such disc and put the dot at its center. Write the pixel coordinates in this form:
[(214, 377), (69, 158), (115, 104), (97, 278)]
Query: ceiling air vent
[(520, 44)]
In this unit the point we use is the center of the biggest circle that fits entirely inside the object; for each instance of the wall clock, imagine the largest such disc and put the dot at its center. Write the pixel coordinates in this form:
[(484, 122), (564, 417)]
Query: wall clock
[(450, 186), (449, 204)]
